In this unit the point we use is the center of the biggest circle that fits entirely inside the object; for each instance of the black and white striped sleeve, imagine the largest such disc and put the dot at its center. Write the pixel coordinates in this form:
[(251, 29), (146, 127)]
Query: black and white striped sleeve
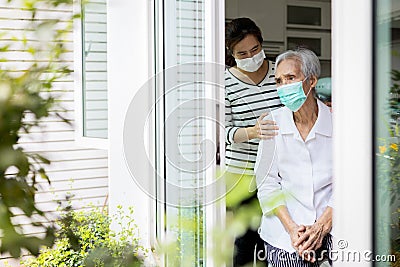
[(229, 128)]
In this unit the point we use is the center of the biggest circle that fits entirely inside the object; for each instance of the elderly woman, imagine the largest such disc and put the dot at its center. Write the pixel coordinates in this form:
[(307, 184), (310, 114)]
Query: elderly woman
[(294, 170)]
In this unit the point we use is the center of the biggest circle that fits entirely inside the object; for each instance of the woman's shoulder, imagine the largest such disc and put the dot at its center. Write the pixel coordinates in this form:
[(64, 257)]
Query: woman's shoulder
[(229, 78), (280, 111), (278, 114), (228, 74), (324, 108), (270, 73)]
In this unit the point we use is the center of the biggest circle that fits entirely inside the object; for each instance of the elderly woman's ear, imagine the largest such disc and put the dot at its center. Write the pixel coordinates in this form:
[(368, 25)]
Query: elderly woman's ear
[(313, 81)]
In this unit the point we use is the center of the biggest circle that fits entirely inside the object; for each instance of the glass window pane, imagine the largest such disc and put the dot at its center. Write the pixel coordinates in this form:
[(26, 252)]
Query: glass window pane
[(94, 69), (387, 122), (304, 15), (184, 27), (313, 44)]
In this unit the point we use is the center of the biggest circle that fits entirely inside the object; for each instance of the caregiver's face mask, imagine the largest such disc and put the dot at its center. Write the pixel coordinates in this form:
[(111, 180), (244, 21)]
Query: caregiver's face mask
[(292, 95), (251, 64)]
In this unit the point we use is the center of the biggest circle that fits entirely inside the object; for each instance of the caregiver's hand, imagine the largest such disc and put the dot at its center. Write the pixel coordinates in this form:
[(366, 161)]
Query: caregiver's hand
[(264, 129)]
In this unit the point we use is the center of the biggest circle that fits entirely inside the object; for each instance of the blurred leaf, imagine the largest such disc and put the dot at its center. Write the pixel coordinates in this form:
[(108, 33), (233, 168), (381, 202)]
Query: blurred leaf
[(4, 48), (43, 174), (65, 120), (31, 50), (42, 159)]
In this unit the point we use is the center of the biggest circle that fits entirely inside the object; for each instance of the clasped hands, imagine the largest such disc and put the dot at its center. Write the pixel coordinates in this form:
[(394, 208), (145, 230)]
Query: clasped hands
[(306, 239)]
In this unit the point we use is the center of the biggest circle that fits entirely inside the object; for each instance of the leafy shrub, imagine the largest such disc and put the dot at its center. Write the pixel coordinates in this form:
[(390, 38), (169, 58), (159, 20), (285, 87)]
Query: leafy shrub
[(85, 239)]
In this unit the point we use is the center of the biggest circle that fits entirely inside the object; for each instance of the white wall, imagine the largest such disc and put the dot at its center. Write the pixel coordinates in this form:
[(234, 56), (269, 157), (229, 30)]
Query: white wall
[(128, 70)]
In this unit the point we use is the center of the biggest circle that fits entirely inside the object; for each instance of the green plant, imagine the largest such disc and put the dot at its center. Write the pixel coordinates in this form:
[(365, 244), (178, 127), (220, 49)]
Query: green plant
[(27, 94), (394, 156), (85, 239), (394, 103), (187, 231), (388, 171)]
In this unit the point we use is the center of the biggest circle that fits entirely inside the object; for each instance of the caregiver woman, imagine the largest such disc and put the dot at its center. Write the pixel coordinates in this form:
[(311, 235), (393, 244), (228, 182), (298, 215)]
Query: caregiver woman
[(250, 92), (294, 170)]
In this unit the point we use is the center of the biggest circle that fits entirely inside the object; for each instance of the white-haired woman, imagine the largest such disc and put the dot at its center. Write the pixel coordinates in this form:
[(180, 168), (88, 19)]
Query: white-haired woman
[(294, 170)]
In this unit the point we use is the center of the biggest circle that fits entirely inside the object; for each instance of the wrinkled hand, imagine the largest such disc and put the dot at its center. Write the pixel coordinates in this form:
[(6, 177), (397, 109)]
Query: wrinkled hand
[(265, 129), (295, 233), (310, 240)]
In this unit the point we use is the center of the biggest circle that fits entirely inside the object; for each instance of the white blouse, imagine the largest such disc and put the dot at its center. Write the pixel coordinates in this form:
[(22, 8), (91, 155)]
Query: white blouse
[(294, 173)]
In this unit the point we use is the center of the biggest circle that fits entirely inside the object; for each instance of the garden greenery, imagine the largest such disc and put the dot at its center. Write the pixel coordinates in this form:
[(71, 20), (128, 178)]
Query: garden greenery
[(388, 171), (85, 239)]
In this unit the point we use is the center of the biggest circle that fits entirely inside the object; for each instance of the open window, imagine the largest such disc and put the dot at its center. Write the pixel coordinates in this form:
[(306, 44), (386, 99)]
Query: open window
[(188, 45), (91, 101)]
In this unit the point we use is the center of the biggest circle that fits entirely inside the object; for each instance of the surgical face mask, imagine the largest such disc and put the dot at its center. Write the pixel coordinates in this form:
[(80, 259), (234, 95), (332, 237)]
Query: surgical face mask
[(292, 95), (251, 64)]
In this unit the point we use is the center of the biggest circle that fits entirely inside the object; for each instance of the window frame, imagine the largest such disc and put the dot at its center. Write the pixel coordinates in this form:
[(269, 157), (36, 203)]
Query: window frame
[(80, 139), (352, 114), (214, 52)]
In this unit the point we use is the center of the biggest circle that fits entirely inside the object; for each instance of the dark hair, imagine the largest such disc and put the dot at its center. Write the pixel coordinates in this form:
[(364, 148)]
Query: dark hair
[(235, 31)]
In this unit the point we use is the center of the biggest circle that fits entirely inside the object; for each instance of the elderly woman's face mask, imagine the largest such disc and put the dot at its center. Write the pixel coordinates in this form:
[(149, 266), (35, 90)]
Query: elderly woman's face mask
[(292, 95)]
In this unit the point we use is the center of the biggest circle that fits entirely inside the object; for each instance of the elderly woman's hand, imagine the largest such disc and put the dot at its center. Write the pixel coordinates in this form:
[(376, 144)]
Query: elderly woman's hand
[(295, 232), (264, 129), (310, 240), (314, 234)]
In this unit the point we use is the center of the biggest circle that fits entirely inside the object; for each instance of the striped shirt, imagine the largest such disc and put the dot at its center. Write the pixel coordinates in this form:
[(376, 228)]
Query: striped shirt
[(244, 103)]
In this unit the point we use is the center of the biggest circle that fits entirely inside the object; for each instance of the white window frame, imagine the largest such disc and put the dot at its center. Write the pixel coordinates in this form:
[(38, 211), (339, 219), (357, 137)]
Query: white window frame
[(352, 125), (80, 139), (214, 52)]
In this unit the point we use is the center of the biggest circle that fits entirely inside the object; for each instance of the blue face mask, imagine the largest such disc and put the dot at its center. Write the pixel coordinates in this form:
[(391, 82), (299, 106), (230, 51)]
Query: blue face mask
[(292, 95)]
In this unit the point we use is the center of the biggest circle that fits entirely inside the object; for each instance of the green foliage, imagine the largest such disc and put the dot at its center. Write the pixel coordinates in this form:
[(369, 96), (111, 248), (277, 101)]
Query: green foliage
[(187, 231), (26, 94), (85, 239), (238, 220), (388, 168), (394, 103)]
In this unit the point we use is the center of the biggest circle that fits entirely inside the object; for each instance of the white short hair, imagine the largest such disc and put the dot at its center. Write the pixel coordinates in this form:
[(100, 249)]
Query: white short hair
[(310, 65)]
